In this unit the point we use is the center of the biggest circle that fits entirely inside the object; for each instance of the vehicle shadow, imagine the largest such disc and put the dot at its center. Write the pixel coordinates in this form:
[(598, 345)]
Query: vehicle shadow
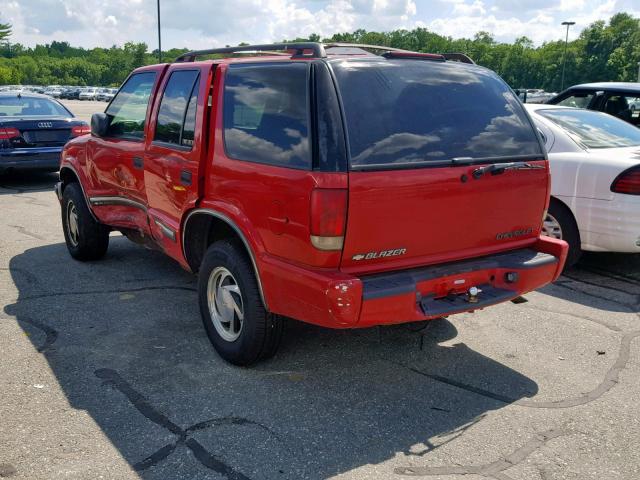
[(611, 281), (124, 339), (13, 182)]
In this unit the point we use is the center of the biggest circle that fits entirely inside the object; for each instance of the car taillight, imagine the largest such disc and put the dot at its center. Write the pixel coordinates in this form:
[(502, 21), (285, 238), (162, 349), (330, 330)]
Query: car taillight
[(328, 218), (7, 133), (80, 130), (627, 182)]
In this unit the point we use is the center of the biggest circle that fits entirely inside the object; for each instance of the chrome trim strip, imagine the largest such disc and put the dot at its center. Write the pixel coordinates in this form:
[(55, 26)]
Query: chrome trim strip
[(236, 229), (166, 231), (86, 199), (115, 200)]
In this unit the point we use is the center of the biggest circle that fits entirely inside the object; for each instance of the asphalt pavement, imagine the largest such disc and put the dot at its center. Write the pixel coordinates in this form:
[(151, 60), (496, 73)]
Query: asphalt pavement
[(83, 109), (107, 373)]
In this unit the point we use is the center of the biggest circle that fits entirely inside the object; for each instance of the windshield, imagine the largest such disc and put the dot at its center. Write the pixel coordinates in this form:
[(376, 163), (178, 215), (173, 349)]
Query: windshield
[(594, 129), (416, 111), (31, 106)]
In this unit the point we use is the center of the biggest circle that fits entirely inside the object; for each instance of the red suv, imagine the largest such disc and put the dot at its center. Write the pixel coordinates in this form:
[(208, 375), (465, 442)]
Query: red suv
[(324, 183)]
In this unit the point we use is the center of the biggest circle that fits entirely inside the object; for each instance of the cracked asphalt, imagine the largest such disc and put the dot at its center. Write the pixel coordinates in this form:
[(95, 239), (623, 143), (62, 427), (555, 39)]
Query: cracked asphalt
[(107, 373)]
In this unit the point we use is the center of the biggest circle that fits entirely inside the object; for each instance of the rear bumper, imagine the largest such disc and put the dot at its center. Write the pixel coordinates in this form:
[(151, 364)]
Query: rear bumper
[(338, 300), (44, 158)]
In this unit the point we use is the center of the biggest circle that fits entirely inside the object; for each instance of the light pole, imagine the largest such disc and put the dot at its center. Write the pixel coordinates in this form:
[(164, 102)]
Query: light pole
[(159, 37), (639, 72), (564, 56)]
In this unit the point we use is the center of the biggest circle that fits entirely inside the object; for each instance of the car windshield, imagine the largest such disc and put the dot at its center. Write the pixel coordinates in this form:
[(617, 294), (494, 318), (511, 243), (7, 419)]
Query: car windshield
[(20, 106), (594, 129), (416, 111)]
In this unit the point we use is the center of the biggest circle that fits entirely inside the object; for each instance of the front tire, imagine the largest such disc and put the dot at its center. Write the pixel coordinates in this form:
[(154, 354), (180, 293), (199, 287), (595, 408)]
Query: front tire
[(237, 324), (86, 239), (561, 224)]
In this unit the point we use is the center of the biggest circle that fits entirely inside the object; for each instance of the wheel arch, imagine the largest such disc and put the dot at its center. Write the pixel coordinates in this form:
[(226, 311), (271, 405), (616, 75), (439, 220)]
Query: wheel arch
[(69, 175), (202, 227)]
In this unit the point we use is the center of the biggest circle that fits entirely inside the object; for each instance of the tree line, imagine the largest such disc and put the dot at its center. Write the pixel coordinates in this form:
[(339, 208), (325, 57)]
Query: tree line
[(604, 51)]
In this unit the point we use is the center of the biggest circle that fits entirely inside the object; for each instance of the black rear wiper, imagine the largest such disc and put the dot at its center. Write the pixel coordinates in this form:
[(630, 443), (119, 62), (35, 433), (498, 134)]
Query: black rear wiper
[(497, 168)]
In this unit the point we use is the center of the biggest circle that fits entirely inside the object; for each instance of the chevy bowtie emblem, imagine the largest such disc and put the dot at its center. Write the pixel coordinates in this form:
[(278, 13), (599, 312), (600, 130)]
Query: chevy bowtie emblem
[(45, 124), (394, 252)]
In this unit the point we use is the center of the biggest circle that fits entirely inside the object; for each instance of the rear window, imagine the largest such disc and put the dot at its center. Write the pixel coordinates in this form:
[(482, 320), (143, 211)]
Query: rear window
[(416, 111), (31, 106), (594, 129), (266, 114)]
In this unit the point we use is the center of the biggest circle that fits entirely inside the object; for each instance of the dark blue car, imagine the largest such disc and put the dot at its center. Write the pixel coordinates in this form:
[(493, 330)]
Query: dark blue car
[(33, 130)]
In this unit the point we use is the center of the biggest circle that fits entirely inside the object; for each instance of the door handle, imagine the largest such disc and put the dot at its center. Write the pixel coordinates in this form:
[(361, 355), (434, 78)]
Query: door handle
[(138, 162)]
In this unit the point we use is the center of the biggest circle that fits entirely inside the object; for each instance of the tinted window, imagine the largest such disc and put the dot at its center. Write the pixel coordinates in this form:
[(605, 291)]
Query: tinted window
[(266, 114), (410, 111), (330, 139), (30, 106), (625, 107), (128, 109), (181, 91), (594, 129), (578, 100)]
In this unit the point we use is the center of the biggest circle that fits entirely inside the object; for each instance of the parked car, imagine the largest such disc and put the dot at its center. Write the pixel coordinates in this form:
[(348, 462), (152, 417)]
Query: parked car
[(53, 91), (106, 94), (595, 179), (533, 95), (33, 130), (620, 99), (431, 205), (89, 93)]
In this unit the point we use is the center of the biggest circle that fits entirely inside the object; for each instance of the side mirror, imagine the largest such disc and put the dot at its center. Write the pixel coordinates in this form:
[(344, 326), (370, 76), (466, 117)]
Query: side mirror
[(99, 124)]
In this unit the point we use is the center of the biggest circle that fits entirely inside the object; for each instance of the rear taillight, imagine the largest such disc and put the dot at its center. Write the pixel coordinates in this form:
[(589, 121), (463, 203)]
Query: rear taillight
[(80, 130), (627, 182), (328, 218), (7, 133)]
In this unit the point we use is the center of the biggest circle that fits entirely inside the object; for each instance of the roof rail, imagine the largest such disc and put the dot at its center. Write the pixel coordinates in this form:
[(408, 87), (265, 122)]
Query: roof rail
[(458, 57), (299, 47), (363, 46), (317, 51)]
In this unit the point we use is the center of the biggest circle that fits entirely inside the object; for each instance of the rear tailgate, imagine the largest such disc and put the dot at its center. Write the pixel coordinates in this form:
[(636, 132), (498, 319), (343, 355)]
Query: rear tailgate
[(413, 217), (445, 164)]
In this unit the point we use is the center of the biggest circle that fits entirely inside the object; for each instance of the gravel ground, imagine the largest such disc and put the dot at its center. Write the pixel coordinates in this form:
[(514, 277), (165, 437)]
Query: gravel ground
[(107, 373)]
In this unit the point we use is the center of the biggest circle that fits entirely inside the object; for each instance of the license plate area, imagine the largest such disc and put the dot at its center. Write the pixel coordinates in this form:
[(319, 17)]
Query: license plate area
[(46, 136)]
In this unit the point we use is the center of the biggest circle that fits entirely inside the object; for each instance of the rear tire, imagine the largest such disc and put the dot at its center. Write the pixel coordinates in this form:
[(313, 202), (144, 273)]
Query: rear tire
[(237, 324), (86, 239), (561, 224)]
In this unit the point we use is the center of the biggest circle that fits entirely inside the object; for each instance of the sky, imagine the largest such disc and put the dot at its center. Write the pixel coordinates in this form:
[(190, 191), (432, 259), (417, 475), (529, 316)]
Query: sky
[(208, 24)]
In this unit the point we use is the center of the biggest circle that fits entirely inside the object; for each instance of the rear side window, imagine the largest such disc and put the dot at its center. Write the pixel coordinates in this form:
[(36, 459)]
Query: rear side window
[(128, 110), (177, 113), (415, 111), (266, 114)]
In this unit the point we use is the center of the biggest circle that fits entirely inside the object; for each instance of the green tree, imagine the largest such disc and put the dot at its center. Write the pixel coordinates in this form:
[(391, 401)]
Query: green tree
[(5, 32)]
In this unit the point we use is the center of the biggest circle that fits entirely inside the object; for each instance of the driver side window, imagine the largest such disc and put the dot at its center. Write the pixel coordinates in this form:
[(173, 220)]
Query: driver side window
[(128, 110)]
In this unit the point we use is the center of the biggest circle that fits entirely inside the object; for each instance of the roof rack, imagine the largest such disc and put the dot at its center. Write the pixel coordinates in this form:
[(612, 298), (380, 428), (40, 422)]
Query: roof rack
[(317, 50), (458, 57)]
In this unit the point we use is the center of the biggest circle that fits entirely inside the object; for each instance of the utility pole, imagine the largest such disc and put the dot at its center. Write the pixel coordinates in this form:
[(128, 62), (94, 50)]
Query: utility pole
[(564, 56), (159, 37), (638, 72)]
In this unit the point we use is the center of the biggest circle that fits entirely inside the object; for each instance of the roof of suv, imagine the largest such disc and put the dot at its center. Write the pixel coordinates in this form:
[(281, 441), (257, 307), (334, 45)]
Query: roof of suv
[(618, 86)]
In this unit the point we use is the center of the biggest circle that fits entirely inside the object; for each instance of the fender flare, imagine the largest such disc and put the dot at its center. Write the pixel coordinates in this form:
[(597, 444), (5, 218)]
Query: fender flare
[(79, 181), (237, 230)]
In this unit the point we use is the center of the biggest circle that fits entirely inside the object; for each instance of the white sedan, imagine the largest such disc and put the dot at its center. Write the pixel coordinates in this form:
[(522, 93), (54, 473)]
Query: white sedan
[(595, 179)]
